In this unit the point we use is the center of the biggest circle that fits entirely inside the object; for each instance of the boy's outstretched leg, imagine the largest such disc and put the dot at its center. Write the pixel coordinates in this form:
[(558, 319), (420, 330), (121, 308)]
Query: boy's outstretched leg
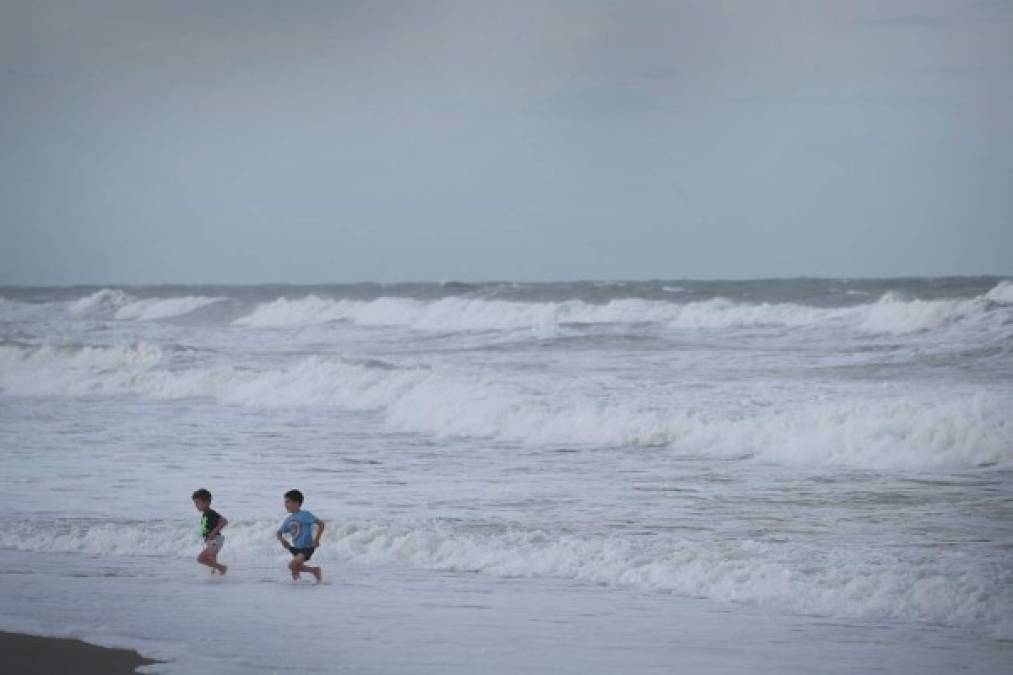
[(209, 557), (296, 565)]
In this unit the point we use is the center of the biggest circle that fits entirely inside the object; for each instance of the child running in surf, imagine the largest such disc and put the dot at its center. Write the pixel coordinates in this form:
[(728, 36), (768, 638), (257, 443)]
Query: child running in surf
[(211, 524), (299, 527)]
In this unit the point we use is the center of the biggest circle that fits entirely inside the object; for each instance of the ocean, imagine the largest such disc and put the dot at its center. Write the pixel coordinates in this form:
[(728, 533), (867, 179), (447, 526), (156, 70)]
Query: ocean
[(797, 475)]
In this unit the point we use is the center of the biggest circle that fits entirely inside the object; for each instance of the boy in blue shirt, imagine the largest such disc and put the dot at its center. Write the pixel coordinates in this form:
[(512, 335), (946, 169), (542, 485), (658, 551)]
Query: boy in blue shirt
[(299, 527)]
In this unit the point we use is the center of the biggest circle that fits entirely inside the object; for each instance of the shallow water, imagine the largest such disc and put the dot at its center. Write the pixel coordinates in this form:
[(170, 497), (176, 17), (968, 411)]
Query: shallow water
[(397, 620)]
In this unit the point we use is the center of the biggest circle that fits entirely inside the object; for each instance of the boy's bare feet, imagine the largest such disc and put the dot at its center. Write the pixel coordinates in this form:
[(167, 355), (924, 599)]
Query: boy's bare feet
[(317, 574), (225, 568)]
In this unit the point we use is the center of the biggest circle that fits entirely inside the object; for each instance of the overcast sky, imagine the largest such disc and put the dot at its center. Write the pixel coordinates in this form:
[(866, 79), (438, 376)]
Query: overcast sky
[(238, 142)]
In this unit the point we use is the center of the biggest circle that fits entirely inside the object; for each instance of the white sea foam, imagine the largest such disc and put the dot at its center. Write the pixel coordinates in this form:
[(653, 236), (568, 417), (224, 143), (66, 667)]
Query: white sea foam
[(141, 369), (1002, 293), (14, 310), (944, 589), (478, 314), (916, 433), (723, 313), (888, 315), (451, 313), (893, 314), (897, 316), (736, 570), (123, 306), (310, 310), (162, 308), (892, 433), (74, 370), (105, 300)]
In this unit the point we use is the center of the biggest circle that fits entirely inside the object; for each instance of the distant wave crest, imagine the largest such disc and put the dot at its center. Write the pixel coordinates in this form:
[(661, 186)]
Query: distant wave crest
[(121, 305), (890, 314), (1002, 293), (107, 299)]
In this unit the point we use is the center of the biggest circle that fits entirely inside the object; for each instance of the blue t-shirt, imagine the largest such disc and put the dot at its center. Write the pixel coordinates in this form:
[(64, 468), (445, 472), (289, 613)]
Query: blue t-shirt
[(299, 526)]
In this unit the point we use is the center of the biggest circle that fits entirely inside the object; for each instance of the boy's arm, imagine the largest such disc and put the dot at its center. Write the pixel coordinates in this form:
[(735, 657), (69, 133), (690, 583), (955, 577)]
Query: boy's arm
[(320, 531), (222, 522), (284, 543)]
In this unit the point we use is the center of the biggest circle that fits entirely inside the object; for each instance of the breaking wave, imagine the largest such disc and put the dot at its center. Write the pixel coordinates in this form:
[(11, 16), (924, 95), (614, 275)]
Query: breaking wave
[(1003, 293), (162, 308), (907, 433), (478, 314), (107, 299), (144, 370), (890, 314), (897, 316), (452, 313), (123, 306), (74, 370), (943, 589)]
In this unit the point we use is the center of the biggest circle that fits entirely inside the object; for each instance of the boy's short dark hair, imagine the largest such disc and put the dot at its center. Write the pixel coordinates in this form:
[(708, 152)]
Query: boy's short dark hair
[(294, 495), (202, 494)]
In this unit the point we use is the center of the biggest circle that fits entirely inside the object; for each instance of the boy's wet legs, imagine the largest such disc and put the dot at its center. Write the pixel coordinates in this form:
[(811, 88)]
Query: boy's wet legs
[(209, 557), (298, 565)]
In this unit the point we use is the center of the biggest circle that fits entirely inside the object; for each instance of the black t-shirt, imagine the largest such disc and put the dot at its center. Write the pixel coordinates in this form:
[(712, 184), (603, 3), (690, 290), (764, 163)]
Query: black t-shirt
[(209, 521)]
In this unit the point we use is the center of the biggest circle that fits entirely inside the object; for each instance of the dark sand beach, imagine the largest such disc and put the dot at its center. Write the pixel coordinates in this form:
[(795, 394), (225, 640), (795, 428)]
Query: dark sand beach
[(31, 654)]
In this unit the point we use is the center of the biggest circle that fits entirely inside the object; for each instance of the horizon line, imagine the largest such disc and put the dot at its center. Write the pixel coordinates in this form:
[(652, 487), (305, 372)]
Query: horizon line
[(488, 282)]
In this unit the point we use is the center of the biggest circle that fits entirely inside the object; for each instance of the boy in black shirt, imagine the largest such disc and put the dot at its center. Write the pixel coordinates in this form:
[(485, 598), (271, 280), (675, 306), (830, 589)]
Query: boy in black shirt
[(211, 524)]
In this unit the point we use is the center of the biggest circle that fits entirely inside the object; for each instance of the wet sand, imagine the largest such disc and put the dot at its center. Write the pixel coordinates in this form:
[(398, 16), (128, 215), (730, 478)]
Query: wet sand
[(31, 655)]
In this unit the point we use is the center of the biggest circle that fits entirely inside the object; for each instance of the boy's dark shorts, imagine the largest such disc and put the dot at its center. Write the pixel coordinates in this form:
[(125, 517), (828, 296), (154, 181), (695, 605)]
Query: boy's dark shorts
[(307, 552)]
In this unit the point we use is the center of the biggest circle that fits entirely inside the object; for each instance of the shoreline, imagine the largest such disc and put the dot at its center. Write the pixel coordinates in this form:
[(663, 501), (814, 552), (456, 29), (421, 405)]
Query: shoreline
[(390, 619), (35, 654)]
